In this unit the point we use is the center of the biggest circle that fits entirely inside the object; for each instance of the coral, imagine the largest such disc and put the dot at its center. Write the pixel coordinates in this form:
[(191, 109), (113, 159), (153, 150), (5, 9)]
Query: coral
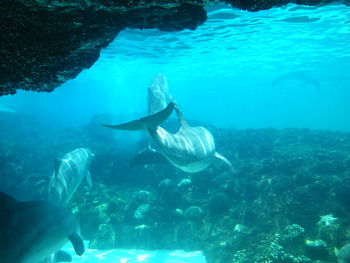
[(240, 216), (194, 213), (344, 254), (272, 248)]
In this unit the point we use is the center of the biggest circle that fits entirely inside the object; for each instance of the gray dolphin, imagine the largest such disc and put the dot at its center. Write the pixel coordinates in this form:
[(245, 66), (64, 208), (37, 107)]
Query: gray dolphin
[(158, 95), (69, 173), (298, 76), (191, 149), (31, 231)]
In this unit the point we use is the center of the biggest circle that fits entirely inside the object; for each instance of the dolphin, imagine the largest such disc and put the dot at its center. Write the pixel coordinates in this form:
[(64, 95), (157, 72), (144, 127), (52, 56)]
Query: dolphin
[(30, 231), (299, 77), (68, 174), (158, 96), (191, 149), (5, 108)]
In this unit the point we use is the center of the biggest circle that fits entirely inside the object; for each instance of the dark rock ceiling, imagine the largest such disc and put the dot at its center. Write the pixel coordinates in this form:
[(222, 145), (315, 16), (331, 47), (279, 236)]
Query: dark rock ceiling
[(47, 42)]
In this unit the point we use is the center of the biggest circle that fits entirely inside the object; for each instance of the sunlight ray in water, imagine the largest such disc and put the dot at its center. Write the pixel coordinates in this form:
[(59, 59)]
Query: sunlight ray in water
[(137, 256)]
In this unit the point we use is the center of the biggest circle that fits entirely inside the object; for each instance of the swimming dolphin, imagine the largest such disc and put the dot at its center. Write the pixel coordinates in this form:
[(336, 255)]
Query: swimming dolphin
[(299, 77), (191, 149), (6, 108), (158, 97), (158, 94), (30, 231), (68, 174)]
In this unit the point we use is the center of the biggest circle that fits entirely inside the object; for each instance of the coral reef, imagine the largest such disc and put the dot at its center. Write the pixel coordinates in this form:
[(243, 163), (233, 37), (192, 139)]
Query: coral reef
[(344, 254), (272, 248), (276, 198)]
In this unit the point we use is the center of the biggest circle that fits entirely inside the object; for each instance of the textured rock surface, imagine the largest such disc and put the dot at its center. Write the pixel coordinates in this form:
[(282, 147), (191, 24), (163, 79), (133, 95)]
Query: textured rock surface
[(44, 43)]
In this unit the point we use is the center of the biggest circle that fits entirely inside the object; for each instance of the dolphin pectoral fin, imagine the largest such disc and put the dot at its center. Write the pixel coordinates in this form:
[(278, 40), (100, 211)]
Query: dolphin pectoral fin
[(77, 243), (223, 158), (147, 156), (62, 256), (88, 179), (148, 122)]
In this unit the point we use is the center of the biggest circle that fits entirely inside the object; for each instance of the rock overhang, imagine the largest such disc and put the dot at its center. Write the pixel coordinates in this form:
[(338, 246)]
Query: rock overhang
[(44, 43)]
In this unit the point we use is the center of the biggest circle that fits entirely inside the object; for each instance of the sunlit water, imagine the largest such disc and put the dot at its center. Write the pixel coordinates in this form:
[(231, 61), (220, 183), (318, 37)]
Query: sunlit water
[(135, 256), (221, 73)]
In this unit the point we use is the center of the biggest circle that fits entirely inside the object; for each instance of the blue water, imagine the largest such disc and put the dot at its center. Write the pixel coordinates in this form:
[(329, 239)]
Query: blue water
[(225, 74), (220, 73)]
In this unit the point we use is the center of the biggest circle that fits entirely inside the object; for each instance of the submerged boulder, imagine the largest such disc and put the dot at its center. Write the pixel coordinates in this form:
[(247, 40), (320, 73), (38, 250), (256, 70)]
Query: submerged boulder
[(45, 43)]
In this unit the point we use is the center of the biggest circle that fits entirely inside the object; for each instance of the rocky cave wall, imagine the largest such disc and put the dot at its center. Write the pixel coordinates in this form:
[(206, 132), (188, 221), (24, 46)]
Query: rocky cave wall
[(47, 42)]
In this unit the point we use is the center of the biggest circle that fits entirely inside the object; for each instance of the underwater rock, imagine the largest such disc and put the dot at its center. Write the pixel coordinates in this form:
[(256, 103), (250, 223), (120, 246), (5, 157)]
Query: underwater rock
[(45, 43), (344, 254), (167, 186), (194, 213), (184, 184), (219, 204), (143, 196), (142, 211)]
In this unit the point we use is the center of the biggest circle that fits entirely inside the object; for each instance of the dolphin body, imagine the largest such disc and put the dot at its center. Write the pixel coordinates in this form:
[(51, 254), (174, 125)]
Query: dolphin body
[(30, 231), (191, 149), (158, 94), (68, 174), (299, 77), (158, 97)]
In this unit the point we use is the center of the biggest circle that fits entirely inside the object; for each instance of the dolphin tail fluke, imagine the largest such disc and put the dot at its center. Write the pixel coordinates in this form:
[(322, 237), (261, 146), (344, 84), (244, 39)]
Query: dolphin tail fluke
[(224, 159), (77, 243), (62, 256), (147, 156), (148, 122)]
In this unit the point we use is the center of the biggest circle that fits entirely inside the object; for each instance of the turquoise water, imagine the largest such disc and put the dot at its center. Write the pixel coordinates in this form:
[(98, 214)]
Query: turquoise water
[(286, 67), (221, 73)]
